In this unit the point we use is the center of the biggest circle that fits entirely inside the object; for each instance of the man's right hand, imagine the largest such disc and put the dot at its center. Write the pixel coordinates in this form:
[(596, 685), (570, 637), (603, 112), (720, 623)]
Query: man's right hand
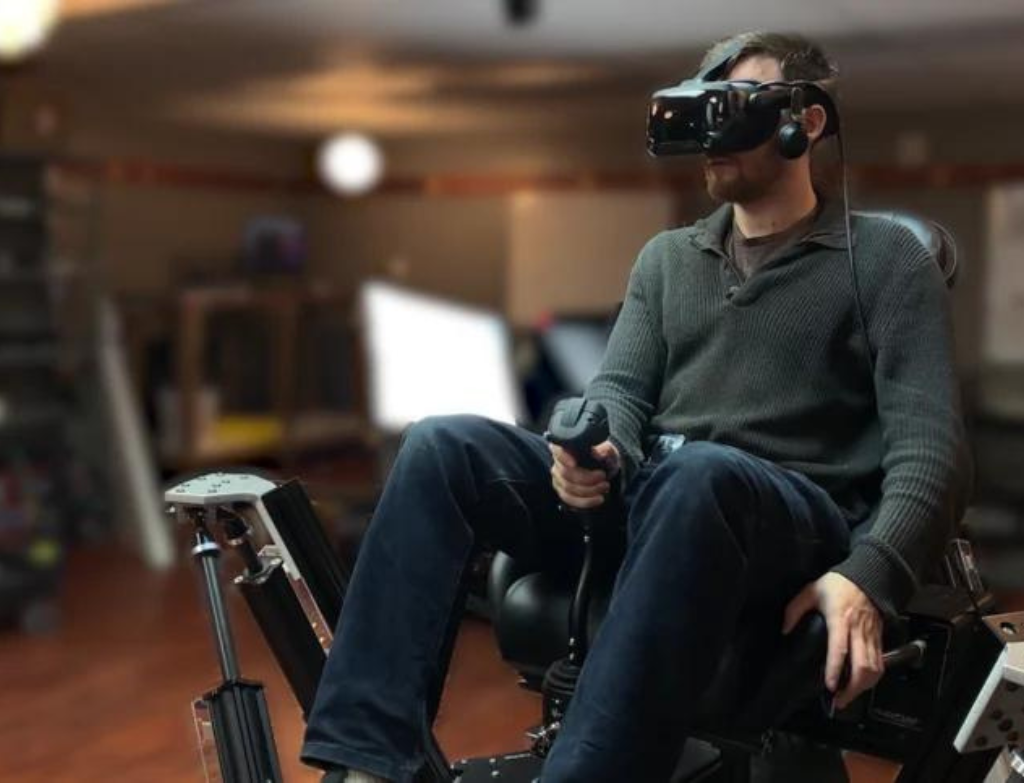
[(579, 487)]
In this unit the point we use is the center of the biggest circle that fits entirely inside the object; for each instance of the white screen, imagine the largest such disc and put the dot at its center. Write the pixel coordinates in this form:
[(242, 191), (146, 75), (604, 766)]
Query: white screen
[(427, 356)]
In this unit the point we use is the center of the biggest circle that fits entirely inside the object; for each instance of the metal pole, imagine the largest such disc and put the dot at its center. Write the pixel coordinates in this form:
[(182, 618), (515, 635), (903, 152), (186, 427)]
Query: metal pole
[(206, 551)]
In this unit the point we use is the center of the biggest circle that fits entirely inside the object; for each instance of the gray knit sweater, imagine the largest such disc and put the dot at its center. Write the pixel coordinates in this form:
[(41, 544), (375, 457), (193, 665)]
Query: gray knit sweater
[(777, 366)]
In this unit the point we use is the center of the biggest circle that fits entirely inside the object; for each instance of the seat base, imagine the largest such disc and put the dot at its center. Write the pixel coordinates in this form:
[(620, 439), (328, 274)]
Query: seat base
[(699, 763), (523, 767)]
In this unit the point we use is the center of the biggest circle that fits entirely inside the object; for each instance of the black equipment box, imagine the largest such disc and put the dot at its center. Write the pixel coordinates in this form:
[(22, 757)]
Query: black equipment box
[(898, 719)]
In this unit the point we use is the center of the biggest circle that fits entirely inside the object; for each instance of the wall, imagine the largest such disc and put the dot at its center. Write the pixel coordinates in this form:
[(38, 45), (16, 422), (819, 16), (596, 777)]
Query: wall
[(153, 234), (151, 238), (452, 246), (571, 253)]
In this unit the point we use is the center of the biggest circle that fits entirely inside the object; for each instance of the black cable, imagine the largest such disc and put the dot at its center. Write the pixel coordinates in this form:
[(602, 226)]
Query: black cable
[(849, 251)]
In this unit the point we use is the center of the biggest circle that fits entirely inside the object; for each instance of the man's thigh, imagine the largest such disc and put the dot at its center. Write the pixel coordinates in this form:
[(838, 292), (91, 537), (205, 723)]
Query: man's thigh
[(789, 530)]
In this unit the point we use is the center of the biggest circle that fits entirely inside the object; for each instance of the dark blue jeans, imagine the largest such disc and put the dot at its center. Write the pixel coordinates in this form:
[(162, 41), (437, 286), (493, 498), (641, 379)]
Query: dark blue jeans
[(714, 534)]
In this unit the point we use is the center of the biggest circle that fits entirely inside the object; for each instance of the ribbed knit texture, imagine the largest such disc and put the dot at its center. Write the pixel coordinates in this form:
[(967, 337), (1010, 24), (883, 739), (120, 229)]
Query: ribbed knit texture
[(777, 365)]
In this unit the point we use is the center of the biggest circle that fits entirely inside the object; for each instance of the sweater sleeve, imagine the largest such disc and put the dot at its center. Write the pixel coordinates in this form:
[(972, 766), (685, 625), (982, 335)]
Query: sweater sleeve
[(629, 381), (925, 463)]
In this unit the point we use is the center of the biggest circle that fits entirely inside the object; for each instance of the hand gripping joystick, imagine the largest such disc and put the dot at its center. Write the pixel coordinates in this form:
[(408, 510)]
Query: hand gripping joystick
[(577, 425)]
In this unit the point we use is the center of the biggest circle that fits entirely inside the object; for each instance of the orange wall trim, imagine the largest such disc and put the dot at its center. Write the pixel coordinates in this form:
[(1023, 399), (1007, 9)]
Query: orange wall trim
[(158, 174)]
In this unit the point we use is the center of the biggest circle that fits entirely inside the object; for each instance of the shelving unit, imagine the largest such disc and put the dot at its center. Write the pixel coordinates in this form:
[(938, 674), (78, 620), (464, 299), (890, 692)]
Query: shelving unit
[(288, 425), (291, 347), (47, 496)]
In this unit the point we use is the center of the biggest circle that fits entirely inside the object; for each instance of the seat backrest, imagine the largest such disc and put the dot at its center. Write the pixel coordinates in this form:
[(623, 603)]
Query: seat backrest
[(936, 239)]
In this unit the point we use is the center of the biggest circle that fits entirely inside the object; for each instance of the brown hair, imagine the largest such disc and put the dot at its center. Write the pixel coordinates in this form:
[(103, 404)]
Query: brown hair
[(799, 58)]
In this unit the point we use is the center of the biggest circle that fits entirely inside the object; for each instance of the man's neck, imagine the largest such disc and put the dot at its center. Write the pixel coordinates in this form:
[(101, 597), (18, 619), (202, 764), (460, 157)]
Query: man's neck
[(775, 212)]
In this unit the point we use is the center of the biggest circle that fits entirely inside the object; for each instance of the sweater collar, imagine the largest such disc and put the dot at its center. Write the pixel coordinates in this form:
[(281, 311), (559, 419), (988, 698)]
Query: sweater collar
[(829, 230)]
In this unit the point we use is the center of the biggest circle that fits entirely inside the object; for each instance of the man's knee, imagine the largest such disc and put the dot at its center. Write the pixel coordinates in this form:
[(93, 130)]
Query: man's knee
[(444, 432)]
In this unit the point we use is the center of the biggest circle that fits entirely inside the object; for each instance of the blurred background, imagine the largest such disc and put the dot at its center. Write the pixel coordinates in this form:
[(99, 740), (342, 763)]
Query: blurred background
[(248, 233)]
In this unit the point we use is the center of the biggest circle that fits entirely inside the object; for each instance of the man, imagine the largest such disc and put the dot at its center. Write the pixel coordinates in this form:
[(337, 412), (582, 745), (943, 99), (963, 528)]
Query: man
[(777, 456)]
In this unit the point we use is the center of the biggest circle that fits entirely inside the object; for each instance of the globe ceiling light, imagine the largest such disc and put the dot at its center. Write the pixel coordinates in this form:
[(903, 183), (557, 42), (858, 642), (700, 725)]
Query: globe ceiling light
[(24, 26), (350, 164)]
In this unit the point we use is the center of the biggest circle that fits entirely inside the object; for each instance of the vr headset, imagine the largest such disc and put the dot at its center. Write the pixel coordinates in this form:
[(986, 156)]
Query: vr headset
[(709, 116)]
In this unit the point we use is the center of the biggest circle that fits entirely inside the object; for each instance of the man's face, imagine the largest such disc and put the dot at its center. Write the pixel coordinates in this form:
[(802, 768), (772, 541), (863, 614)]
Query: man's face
[(745, 177)]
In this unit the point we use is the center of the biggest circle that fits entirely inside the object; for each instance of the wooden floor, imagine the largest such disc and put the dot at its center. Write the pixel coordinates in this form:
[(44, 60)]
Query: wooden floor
[(107, 696)]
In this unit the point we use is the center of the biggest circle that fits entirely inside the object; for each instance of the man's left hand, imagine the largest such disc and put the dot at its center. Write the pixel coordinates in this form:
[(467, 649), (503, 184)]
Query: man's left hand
[(854, 629)]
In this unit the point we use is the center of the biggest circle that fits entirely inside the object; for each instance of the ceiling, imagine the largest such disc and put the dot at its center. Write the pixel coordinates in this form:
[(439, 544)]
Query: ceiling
[(303, 68)]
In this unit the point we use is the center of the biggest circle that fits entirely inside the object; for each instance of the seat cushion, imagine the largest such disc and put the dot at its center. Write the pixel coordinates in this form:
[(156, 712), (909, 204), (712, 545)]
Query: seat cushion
[(532, 621)]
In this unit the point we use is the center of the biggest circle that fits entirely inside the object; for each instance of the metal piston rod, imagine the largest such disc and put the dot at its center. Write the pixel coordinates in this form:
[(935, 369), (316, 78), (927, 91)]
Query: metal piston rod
[(237, 709)]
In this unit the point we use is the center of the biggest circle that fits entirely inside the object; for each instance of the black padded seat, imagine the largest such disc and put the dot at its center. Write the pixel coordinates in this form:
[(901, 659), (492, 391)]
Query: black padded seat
[(936, 239)]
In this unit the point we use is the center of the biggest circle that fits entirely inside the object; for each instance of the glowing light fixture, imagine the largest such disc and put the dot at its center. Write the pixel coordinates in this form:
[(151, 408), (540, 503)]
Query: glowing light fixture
[(24, 26), (350, 164)]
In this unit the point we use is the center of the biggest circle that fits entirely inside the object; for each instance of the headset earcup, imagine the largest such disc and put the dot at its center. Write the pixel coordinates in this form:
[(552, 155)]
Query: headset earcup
[(793, 141)]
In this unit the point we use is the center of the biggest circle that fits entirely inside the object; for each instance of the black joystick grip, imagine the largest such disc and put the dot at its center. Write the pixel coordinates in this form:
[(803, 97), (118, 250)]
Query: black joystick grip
[(577, 425)]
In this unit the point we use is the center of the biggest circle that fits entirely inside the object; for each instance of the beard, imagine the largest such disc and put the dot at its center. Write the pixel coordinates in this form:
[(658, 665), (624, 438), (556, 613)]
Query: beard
[(745, 177)]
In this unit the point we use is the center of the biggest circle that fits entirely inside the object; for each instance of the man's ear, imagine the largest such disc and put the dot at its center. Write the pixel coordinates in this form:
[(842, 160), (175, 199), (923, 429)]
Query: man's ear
[(815, 118)]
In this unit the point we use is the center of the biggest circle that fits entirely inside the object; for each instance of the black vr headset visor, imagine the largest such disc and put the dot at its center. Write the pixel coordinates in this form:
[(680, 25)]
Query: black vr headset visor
[(721, 117)]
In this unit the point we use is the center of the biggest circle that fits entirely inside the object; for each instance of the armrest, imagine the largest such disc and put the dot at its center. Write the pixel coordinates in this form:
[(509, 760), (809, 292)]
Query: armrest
[(796, 676)]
